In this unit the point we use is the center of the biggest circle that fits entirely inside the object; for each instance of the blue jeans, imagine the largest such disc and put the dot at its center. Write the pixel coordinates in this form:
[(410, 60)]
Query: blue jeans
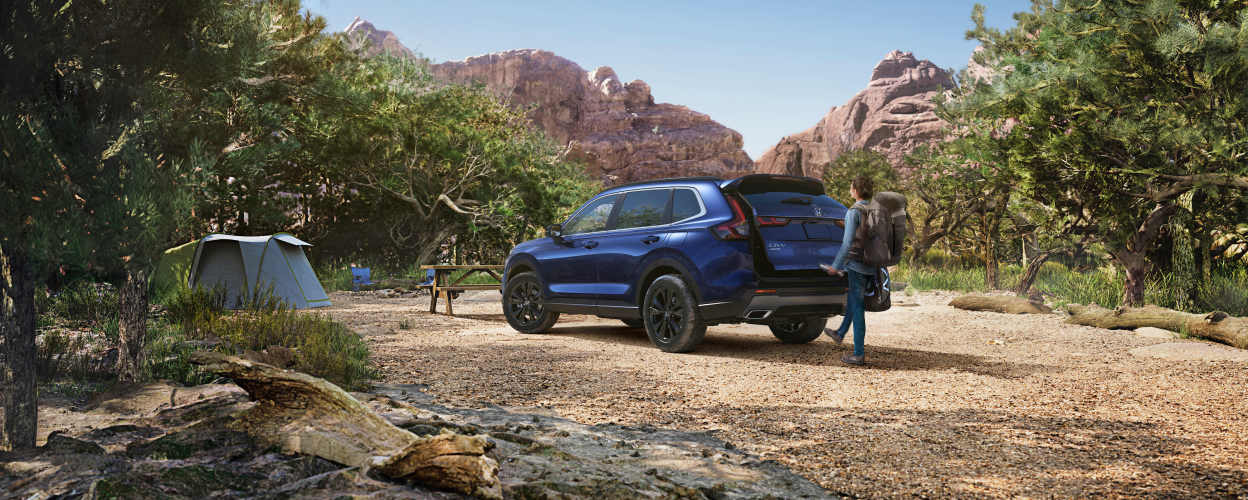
[(853, 311)]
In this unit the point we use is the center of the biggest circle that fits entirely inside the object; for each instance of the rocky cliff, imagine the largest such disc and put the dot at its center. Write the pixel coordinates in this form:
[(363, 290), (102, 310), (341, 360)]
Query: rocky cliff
[(379, 41), (893, 115), (615, 127)]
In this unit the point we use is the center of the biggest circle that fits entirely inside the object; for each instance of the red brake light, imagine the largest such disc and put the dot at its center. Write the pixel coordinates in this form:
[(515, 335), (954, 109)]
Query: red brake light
[(736, 229), (772, 221)]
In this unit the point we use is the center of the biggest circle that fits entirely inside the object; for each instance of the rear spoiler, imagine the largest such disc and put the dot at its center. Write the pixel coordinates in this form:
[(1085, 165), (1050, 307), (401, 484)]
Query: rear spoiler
[(808, 185)]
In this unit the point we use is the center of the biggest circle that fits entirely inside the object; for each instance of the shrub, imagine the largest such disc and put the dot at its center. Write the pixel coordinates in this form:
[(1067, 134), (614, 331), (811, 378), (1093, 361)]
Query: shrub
[(83, 304), (1226, 291), (334, 277), (196, 308), (326, 349), (934, 257)]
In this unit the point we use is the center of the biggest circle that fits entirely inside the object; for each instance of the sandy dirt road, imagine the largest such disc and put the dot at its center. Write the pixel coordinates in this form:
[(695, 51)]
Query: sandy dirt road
[(951, 404)]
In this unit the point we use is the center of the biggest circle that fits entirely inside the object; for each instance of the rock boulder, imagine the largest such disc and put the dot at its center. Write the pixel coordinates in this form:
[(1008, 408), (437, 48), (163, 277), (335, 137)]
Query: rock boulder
[(893, 115)]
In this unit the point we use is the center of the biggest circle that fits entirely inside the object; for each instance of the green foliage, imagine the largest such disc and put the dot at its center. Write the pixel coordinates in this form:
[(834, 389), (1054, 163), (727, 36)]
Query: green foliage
[(325, 348), (193, 307), (82, 304), (1227, 291), (1118, 108), (873, 165)]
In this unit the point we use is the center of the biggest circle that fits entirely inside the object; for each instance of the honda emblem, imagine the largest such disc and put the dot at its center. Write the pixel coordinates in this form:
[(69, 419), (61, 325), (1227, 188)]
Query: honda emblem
[(818, 212)]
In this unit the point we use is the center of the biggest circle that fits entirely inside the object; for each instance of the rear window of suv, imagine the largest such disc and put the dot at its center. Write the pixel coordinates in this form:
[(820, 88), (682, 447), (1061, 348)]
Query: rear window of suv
[(781, 198)]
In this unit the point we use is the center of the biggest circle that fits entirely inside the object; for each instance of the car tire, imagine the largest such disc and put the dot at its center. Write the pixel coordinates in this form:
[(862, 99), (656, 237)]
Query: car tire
[(524, 305), (634, 323), (671, 316), (799, 333)]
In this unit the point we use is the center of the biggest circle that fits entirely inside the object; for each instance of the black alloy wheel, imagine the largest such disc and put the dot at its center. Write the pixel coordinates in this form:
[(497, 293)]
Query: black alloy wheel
[(667, 314), (671, 316), (524, 306), (799, 333)]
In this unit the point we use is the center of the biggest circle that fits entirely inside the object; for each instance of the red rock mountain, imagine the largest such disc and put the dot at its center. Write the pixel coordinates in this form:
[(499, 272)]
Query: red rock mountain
[(893, 115), (381, 41), (616, 127)]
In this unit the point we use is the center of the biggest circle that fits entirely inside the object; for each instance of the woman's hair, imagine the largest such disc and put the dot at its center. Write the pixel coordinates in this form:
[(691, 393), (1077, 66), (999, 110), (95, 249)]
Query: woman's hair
[(864, 186)]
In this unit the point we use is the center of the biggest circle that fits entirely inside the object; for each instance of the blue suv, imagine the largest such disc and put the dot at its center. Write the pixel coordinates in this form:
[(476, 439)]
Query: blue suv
[(674, 256)]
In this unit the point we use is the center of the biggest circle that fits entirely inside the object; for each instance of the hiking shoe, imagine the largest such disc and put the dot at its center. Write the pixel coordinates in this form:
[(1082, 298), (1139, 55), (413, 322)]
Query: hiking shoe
[(836, 337), (854, 360)]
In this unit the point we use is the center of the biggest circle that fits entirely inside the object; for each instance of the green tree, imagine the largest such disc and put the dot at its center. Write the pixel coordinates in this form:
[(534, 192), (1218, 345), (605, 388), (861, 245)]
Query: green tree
[(840, 173), (1123, 106), (455, 162)]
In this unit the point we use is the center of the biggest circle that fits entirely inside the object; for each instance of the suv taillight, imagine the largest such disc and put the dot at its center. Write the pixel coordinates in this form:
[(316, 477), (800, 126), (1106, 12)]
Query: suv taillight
[(772, 221), (736, 229)]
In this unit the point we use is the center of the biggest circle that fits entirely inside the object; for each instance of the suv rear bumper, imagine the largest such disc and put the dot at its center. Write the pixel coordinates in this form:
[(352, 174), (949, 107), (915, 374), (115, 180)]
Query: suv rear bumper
[(779, 306)]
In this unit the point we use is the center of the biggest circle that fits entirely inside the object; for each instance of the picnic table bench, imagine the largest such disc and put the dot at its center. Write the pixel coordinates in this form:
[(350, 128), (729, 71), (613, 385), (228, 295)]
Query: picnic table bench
[(442, 277)]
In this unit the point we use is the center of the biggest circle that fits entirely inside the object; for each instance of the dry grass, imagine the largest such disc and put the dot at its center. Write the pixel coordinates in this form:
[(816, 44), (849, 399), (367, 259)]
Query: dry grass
[(1054, 411)]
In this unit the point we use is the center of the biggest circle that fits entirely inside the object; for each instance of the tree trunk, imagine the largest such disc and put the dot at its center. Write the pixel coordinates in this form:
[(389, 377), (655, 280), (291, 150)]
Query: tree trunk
[(1033, 270), (993, 239), (1031, 248), (17, 322), (1182, 261), (133, 305), (1001, 304), (1216, 326), (1134, 254)]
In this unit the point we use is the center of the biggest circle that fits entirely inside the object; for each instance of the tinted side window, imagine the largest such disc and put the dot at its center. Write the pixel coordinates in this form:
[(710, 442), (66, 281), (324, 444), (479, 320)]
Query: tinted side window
[(592, 218), (684, 205), (642, 209)]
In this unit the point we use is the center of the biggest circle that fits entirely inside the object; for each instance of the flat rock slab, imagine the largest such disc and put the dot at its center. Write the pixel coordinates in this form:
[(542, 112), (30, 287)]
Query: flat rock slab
[(1192, 351), (1154, 333)]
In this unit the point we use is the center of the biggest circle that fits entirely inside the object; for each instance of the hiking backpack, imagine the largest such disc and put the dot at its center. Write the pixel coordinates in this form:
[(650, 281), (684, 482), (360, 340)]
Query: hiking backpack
[(881, 236)]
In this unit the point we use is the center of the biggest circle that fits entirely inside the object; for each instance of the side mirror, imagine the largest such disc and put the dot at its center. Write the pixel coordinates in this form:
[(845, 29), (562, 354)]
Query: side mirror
[(555, 232)]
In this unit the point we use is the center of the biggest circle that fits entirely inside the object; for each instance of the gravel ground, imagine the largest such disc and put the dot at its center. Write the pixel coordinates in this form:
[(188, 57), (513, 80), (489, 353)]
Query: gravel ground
[(951, 403)]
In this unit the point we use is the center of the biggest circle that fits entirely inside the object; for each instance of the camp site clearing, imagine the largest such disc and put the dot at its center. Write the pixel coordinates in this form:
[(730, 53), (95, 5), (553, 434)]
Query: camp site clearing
[(951, 402)]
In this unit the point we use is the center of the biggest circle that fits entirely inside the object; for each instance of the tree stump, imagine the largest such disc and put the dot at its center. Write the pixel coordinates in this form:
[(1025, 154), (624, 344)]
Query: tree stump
[(303, 414), (1216, 326), (1001, 304)]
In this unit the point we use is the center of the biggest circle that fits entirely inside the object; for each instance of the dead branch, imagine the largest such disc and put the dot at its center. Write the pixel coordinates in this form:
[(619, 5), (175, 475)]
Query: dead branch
[(1216, 326), (1000, 303)]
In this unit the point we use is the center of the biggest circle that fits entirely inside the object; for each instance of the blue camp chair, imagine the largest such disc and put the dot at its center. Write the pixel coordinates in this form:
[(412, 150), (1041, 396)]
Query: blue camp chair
[(429, 276), (360, 276)]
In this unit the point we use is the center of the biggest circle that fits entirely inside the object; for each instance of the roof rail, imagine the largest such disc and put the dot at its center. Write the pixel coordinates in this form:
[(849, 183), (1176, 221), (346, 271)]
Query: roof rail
[(669, 179)]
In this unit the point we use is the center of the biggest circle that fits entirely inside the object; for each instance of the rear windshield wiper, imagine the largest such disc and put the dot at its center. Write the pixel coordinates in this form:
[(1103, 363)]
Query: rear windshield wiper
[(798, 200)]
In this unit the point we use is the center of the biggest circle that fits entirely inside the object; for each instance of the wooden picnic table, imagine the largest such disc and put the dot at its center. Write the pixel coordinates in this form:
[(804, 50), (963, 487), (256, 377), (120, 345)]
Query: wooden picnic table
[(442, 277)]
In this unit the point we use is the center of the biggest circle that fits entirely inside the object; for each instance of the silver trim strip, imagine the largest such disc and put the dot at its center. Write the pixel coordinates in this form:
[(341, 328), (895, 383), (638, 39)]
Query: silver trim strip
[(696, 194)]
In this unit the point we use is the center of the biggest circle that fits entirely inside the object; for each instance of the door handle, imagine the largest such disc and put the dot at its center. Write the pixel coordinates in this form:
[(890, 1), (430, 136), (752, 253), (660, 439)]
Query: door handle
[(650, 239), (590, 244)]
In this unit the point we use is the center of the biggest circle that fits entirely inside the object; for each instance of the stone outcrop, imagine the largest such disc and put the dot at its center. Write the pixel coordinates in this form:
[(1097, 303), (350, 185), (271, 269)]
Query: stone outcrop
[(206, 447), (298, 413), (893, 115), (615, 127), (379, 41)]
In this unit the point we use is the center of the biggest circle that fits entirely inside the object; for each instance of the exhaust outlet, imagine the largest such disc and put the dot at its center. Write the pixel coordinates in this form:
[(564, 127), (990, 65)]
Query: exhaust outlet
[(758, 314)]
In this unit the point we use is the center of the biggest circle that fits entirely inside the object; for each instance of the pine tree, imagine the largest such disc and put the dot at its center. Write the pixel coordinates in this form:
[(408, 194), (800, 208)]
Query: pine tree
[(1123, 107)]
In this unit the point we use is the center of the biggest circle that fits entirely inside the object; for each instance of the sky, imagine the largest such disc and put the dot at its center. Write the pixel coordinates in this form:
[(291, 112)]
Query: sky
[(764, 69)]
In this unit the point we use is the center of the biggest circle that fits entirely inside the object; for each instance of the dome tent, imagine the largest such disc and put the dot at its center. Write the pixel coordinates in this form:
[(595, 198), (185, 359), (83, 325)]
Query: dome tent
[(242, 263)]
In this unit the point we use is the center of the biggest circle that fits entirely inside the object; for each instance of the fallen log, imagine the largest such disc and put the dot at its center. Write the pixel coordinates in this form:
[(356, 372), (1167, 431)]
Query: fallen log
[(1001, 304), (299, 413), (1216, 326)]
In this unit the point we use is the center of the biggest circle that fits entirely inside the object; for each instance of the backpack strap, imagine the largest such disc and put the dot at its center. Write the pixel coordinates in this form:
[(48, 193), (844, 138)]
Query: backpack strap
[(855, 249)]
